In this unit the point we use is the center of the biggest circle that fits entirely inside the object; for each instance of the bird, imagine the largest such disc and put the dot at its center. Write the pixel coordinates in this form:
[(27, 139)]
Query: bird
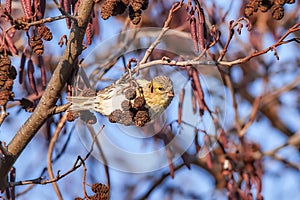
[(129, 103)]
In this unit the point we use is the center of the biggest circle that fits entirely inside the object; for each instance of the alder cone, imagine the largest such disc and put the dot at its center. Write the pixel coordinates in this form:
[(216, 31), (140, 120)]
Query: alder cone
[(7, 75), (277, 12), (36, 43)]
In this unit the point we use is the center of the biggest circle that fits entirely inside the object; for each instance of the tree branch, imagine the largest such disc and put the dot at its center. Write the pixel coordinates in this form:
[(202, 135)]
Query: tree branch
[(59, 78), (281, 41), (50, 152)]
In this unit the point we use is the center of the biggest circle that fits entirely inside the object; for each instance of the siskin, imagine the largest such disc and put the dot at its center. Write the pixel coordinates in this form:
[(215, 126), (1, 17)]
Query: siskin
[(128, 104)]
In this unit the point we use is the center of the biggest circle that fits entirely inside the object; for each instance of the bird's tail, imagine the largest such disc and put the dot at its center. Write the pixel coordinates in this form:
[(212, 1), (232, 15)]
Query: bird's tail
[(80, 103)]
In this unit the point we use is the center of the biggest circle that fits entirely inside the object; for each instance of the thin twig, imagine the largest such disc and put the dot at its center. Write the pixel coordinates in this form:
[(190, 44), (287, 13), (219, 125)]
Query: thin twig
[(234, 103), (50, 151), (113, 58), (3, 115), (176, 6), (168, 62), (42, 21), (281, 41), (60, 109), (158, 182), (285, 161), (255, 107), (231, 27), (29, 188), (84, 180), (98, 145), (274, 94), (76, 165), (63, 11)]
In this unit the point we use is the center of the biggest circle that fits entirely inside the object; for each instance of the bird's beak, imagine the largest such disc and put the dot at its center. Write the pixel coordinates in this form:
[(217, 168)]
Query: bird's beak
[(170, 94)]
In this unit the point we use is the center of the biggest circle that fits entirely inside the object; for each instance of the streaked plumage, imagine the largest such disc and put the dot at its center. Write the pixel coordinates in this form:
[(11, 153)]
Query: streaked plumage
[(158, 94)]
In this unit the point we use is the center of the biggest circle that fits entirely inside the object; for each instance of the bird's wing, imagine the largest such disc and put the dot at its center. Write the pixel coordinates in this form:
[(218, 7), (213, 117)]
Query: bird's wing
[(80, 103)]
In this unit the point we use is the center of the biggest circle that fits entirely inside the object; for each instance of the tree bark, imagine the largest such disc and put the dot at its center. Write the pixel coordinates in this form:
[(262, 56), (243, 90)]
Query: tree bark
[(53, 91)]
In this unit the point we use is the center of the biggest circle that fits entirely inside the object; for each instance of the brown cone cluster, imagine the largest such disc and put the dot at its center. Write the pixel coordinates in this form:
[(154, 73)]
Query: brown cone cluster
[(101, 192), (45, 33), (7, 75), (117, 7), (36, 42), (133, 110), (273, 6)]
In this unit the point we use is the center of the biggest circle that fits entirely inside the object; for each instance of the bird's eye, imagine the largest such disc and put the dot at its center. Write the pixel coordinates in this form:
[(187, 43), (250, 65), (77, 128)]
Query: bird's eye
[(151, 88), (160, 88)]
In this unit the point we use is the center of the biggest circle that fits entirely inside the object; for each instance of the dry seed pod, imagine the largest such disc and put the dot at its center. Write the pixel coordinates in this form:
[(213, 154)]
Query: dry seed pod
[(145, 5), (12, 72), (3, 78), (249, 10), (130, 94), (71, 116), (99, 187), (126, 105), (5, 95), (112, 8), (265, 6), (119, 9), (4, 61), (7, 75), (135, 16), (107, 9), (126, 118), (252, 7), (36, 44), (141, 118), (8, 84), (88, 92), (139, 103), (277, 12), (45, 33), (290, 1), (126, 2), (280, 2), (115, 116), (100, 196), (139, 4)]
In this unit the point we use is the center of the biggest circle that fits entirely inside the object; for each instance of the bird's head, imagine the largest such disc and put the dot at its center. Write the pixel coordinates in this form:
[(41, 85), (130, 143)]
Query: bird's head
[(163, 85), (160, 92)]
